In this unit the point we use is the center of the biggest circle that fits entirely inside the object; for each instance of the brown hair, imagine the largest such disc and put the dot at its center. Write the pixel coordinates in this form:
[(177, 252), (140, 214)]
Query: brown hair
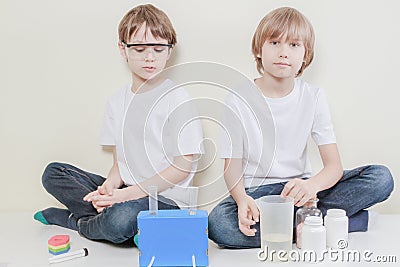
[(284, 21), (155, 19)]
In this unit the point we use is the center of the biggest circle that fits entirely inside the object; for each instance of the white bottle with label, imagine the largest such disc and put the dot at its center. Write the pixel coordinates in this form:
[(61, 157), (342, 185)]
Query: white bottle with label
[(337, 227), (314, 235)]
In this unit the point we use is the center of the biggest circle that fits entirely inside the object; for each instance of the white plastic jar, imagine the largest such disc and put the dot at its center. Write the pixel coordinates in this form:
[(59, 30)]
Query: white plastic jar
[(314, 235), (337, 227)]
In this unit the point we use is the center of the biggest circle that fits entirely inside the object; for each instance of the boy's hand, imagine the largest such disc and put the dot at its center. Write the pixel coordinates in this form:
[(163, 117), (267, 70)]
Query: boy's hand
[(102, 201), (105, 189), (90, 196), (248, 215), (300, 190)]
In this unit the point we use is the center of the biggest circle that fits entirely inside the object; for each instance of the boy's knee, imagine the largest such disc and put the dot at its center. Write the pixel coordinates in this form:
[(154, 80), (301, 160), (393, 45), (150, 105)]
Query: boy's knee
[(212, 223), (49, 173), (383, 181), (121, 223), (223, 230), (217, 226), (214, 214), (386, 180), (215, 217)]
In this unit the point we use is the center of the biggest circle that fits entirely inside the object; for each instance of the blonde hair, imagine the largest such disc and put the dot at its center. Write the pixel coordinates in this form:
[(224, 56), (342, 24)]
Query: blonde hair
[(284, 21), (155, 19)]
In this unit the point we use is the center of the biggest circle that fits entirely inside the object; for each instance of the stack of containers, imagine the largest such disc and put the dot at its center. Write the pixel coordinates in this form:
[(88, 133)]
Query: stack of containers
[(58, 244)]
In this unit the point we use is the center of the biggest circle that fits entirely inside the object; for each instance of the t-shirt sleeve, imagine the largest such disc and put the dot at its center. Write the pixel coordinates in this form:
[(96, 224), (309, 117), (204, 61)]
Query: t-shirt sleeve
[(231, 138), (186, 129), (107, 133), (322, 129)]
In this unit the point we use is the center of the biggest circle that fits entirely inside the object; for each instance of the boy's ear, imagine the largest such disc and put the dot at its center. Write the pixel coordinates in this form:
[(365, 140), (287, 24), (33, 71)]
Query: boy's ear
[(122, 50)]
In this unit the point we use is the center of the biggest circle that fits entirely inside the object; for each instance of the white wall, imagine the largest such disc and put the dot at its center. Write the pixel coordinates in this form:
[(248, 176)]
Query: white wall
[(59, 63)]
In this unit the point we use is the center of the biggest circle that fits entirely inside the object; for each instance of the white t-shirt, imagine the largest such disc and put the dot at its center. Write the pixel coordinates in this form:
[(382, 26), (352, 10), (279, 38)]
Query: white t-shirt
[(303, 112), (148, 130)]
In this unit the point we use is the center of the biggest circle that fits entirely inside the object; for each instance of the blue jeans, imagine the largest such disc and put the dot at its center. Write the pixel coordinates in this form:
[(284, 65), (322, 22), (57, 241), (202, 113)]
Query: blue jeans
[(358, 189), (116, 224)]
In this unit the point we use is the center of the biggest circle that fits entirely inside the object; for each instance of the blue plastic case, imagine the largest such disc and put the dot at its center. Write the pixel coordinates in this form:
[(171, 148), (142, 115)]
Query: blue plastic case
[(173, 237)]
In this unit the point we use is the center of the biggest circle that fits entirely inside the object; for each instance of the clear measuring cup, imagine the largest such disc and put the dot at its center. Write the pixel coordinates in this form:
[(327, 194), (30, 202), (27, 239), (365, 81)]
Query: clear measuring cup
[(276, 225)]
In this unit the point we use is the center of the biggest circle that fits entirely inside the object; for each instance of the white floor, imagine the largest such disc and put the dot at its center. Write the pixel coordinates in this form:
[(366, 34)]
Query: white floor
[(23, 242)]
